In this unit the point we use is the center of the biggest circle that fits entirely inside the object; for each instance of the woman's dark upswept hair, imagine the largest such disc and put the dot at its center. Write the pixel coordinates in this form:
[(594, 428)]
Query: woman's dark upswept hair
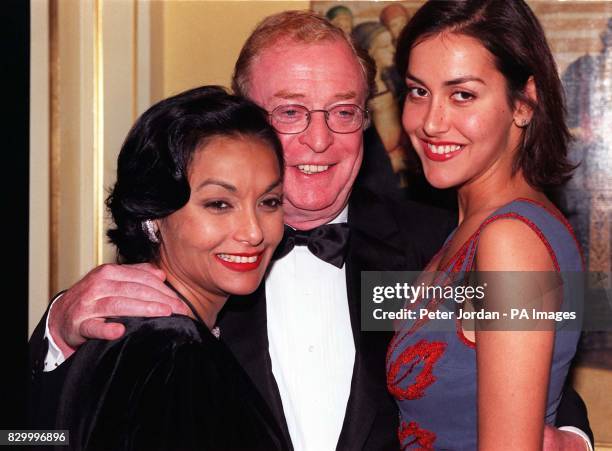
[(509, 30), (153, 165)]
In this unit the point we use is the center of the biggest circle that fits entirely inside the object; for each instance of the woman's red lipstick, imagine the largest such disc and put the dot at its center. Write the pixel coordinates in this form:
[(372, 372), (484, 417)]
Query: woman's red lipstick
[(440, 156), (238, 266)]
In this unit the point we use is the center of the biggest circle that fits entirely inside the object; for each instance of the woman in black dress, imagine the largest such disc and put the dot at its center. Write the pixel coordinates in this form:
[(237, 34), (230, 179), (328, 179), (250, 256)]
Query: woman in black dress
[(198, 193)]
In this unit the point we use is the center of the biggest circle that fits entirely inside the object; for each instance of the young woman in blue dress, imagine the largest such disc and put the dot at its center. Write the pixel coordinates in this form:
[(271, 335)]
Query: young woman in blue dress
[(484, 112)]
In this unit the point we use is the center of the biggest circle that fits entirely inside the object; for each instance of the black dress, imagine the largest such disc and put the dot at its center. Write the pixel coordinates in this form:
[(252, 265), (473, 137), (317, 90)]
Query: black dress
[(167, 384)]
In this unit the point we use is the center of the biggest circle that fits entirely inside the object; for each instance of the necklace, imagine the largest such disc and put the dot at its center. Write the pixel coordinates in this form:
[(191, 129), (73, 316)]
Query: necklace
[(215, 330)]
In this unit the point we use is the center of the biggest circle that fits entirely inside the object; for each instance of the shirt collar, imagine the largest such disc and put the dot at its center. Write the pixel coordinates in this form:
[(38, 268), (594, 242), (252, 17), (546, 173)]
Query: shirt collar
[(342, 216)]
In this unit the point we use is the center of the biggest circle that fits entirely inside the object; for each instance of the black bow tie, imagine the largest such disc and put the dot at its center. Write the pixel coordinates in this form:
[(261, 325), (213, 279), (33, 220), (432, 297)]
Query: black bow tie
[(327, 242)]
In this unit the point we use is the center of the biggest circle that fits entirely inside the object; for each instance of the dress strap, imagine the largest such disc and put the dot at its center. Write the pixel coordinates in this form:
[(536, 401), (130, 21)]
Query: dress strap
[(551, 228)]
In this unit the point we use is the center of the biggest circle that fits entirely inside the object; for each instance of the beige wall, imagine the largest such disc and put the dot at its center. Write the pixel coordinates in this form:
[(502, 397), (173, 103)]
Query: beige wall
[(39, 163), (199, 41)]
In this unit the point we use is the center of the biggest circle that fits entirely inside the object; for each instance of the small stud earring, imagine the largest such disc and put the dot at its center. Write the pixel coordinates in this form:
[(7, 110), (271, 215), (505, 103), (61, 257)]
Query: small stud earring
[(150, 229), (522, 123)]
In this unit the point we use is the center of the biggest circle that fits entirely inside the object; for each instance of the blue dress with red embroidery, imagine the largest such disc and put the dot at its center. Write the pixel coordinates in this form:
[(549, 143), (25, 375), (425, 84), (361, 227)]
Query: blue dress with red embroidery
[(431, 370)]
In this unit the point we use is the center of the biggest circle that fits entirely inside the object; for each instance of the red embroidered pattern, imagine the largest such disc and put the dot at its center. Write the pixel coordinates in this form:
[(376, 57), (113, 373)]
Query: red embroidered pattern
[(423, 351), (457, 260), (423, 438)]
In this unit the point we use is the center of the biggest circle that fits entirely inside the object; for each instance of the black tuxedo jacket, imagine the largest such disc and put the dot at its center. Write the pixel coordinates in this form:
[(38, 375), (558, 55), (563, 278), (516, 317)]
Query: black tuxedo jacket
[(384, 236)]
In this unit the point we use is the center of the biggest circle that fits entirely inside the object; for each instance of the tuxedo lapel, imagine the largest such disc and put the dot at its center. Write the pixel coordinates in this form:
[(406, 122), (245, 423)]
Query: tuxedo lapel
[(243, 325), (374, 246)]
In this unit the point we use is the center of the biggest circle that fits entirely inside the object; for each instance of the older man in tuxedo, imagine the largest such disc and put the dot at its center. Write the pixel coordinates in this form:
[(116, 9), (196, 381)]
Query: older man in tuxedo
[(298, 336)]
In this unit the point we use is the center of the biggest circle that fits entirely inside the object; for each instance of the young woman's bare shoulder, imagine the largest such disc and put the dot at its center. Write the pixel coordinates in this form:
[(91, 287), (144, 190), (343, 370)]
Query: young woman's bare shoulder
[(512, 245)]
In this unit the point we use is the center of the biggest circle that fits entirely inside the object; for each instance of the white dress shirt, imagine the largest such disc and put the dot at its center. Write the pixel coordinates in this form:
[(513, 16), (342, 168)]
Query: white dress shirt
[(311, 345), (54, 357)]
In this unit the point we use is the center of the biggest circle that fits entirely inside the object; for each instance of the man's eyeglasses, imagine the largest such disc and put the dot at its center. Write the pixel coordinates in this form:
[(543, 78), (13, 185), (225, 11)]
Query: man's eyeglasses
[(291, 119)]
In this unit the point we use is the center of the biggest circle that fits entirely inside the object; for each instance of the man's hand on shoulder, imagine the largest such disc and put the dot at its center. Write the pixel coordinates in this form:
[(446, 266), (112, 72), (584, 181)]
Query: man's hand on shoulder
[(109, 290)]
